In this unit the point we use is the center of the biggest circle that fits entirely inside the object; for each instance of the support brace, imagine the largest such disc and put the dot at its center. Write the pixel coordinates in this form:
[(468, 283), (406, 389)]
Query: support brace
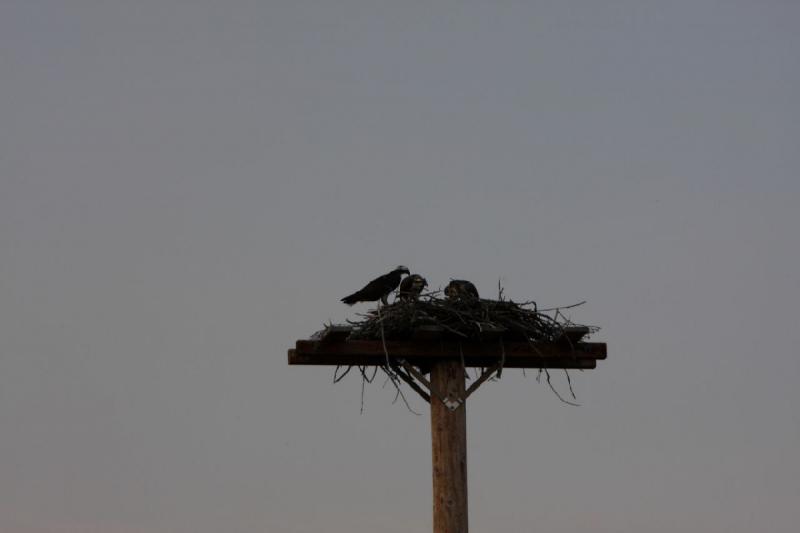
[(452, 402)]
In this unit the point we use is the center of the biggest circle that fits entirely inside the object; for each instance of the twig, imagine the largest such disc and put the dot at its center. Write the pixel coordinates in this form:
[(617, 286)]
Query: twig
[(502, 358), (363, 381), (339, 378), (569, 382), (552, 388), (383, 340), (396, 384), (562, 307)]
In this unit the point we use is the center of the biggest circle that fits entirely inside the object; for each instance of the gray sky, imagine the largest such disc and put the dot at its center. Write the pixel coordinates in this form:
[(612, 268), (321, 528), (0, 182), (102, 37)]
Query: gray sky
[(186, 188)]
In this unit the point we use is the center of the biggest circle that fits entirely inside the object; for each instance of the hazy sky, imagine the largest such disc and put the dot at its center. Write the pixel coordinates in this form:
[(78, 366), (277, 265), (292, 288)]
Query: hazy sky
[(186, 188)]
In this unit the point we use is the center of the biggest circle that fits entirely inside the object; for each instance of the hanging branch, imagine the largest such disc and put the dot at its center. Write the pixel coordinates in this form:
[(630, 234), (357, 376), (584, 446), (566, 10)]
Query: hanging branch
[(337, 379), (552, 388)]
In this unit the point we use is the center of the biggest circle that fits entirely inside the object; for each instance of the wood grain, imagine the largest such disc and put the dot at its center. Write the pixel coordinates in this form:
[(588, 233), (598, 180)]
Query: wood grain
[(449, 446)]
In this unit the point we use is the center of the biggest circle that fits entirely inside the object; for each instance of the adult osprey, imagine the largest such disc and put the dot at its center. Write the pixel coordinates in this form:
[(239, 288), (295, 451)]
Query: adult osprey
[(411, 287), (461, 289), (378, 288)]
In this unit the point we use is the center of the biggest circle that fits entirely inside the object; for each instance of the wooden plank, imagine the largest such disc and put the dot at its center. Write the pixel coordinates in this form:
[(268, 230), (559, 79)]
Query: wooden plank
[(428, 333), (418, 353), (491, 332), (425, 363), (449, 349), (449, 450)]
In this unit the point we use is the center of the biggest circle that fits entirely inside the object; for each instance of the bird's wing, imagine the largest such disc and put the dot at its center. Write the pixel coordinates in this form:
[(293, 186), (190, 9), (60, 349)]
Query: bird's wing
[(407, 284)]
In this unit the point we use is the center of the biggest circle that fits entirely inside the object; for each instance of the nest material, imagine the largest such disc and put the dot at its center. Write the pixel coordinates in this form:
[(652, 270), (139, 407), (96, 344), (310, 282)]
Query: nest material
[(469, 319)]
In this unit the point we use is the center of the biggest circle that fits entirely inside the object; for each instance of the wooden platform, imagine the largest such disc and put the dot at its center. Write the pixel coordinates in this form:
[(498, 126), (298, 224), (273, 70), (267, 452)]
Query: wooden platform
[(430, 345)]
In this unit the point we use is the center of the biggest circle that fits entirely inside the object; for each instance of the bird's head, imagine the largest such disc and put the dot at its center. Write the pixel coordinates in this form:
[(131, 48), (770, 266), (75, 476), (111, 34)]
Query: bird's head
[(402, 269), (461, 289), (418, 282), (451, 291)]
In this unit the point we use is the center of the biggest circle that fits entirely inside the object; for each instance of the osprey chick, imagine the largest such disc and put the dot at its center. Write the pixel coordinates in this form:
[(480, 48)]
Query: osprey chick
[(378, 288), (411, 287), (461, 289)]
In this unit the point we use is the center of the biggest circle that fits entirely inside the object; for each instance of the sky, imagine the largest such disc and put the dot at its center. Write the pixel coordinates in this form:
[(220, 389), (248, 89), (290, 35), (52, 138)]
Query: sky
[(186, 188)]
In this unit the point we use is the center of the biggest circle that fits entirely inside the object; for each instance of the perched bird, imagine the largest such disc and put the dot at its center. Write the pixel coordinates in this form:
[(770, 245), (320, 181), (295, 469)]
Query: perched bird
[(411, 287), (378, 288), (461, 289)]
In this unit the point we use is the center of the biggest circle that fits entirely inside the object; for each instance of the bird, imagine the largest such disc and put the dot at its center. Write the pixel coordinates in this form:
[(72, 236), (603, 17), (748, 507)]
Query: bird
[(379, 288), (411, 287), (461, 289)]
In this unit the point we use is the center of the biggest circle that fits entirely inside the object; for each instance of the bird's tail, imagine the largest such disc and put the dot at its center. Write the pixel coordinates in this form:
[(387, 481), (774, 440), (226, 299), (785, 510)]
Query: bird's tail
[(350, 300)]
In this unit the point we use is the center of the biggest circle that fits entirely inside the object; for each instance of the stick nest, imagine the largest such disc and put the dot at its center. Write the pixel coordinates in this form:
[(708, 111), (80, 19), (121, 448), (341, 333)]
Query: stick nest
[(469, 319)]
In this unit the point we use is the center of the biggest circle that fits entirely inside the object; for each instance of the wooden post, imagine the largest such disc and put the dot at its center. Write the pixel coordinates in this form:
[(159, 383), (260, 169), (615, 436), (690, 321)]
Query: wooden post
[(449, 440)]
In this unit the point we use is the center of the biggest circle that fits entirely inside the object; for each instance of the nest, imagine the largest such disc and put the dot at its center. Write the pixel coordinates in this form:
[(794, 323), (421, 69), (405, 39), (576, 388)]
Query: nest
[(462, 318), (466, 319)]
